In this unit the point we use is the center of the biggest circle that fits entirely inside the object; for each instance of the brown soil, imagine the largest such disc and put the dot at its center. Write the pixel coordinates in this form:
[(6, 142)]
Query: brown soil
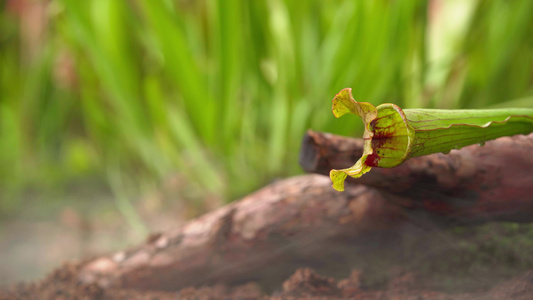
[(303, 284)]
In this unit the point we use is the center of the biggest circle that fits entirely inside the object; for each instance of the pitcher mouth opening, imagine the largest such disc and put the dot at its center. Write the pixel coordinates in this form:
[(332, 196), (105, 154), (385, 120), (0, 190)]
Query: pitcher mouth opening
[(387, 135)]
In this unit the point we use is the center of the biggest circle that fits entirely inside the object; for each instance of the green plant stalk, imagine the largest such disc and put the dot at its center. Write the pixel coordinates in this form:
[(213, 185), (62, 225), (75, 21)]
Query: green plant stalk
[(393, 135)]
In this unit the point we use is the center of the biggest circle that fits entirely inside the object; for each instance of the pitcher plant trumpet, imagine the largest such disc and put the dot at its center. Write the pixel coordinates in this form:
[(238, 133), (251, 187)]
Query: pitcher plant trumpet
[(393, 135)]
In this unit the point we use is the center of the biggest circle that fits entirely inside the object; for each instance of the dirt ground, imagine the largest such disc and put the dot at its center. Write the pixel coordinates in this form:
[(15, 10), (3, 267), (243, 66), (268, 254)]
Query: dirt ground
[(481, 262), (487, 262), (303, 284)]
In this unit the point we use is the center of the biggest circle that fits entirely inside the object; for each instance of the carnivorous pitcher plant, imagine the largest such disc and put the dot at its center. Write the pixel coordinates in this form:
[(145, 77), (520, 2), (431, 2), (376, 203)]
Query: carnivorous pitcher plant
[(393, 135)]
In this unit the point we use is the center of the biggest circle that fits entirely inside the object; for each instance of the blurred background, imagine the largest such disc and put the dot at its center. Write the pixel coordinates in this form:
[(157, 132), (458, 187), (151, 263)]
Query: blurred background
[(120, 118)]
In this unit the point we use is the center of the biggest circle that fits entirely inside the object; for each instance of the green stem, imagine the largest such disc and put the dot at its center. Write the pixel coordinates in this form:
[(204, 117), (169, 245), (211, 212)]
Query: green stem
[(466, 127)]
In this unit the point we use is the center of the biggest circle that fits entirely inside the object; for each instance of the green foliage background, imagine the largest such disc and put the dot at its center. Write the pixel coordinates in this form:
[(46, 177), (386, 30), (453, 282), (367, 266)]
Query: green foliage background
[(122, 95)]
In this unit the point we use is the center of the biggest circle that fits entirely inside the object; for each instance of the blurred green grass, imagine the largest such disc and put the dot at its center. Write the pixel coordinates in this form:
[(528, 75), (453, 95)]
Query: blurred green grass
[(125, 95)]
